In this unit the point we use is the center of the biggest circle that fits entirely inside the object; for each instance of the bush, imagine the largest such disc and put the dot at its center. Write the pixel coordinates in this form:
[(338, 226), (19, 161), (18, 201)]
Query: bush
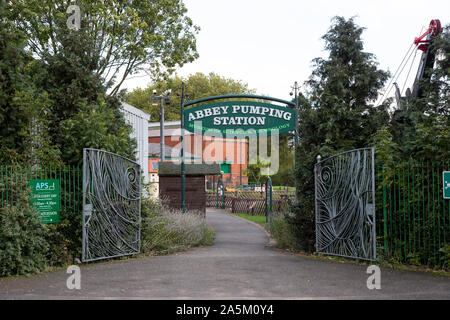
[(283, 232), (168, 231), (23, 247), (64, 239), (302, 221), (445, 250)]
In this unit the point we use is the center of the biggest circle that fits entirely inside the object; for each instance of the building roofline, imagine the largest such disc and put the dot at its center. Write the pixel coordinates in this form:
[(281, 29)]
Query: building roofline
[(166, 123), (137, 112)]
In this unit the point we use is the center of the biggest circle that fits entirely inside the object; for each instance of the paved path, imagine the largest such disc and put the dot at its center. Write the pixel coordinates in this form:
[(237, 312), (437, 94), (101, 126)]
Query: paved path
[(240, 265)]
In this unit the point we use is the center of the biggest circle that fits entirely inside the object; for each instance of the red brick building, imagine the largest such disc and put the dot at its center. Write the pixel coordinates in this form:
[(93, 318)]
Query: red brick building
[(231, 154)]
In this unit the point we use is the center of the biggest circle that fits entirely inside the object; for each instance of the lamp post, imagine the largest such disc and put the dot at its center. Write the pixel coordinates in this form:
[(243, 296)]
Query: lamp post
[(183, 171), (295, 92), (165, 98)]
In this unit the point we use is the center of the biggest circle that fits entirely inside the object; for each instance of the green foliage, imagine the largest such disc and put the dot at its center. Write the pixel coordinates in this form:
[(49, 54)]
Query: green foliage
[(93, 126), (82, 115), (61, 242), (343, 89), (23, 247), (337, 115), (386, 149), (197, 85), (129, 36), (255, 171), (413, 148), (166, 231), (285, 174), (421, 127), (283, 232), (254, 218), (432, 142), (445, 250), (43, 101), (23, 107)]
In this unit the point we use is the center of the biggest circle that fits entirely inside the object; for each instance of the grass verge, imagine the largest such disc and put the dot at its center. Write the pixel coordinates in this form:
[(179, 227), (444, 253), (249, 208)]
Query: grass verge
[(257, 219)]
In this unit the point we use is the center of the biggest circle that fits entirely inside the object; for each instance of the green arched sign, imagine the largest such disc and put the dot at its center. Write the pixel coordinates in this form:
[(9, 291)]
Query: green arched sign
[(236, 117), (232, 117)]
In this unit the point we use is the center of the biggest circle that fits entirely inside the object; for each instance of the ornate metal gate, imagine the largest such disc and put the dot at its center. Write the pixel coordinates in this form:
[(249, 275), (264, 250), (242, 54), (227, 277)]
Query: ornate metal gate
[(111, 205), (345, 205)]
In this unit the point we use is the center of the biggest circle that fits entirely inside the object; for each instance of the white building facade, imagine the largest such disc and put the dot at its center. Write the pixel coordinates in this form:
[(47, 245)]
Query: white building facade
[(139, 120)]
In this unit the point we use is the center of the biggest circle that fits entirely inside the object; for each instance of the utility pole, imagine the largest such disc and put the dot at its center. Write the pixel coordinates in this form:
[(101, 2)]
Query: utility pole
[(161, 131), (295, 92), (183, 171)]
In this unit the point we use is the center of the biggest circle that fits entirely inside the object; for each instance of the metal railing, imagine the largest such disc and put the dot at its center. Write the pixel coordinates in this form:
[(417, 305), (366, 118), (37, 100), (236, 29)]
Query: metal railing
[(413, 218), (14, 180)]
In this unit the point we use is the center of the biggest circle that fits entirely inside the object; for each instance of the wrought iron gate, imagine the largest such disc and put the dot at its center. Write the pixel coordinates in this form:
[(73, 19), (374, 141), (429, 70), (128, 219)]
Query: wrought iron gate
[(345, 205), (111, 205)]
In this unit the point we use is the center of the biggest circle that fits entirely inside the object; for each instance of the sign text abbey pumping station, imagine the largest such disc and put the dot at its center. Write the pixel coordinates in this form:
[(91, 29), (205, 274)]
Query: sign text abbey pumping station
[(232, 117)]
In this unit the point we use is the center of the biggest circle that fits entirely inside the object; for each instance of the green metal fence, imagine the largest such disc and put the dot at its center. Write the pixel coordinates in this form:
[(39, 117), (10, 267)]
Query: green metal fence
[(413, 218), (14, 180)]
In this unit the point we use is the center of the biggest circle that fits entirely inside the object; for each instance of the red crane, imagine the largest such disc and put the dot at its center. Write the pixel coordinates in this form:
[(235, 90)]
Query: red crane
[(428, 56), (426, 62)]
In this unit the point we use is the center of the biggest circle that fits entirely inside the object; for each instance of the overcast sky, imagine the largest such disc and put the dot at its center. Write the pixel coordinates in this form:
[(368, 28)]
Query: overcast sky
[(270, 44)]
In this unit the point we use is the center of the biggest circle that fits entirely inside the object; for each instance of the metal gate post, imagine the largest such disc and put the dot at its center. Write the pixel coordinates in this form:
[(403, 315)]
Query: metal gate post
[(384, 213), (220, 192), (268, 199), (316, 177)]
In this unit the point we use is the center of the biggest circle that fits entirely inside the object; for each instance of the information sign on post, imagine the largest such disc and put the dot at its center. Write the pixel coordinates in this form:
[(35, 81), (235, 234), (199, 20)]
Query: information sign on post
[(46, 198), (446, 186)]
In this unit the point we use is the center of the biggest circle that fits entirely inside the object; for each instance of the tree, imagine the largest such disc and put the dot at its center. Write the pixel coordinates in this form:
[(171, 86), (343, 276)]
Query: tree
[(94, 126), (77, 92), (197, 85), (338, 113), (285, 174), (23, 107), (344, 87), (255, 171), (126, 36), (421, 127)]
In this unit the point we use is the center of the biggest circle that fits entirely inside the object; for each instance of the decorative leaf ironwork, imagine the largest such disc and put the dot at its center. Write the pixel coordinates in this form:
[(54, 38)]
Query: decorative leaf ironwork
[(345, 202), (111, 205)]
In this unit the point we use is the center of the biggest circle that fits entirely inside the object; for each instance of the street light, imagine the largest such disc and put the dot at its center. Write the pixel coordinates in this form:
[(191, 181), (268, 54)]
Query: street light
[(163, 99)]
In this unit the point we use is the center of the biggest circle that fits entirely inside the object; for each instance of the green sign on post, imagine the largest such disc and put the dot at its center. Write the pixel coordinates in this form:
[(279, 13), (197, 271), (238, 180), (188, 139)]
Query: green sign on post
[(46, 198), (446, 186)]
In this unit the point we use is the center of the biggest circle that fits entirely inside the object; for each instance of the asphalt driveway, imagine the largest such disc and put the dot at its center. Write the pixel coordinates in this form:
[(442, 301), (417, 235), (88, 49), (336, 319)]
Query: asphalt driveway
[(240, 265)]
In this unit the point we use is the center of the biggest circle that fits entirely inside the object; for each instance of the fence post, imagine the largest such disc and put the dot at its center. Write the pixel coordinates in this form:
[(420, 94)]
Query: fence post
[(384, 213), (268, 199)]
